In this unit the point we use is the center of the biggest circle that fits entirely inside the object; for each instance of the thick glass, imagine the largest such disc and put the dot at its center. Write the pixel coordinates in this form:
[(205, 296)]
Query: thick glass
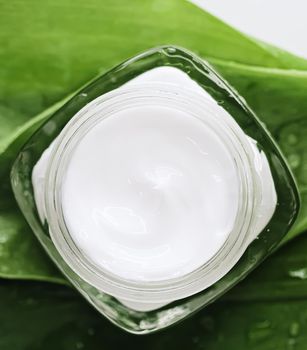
[(198, 70)]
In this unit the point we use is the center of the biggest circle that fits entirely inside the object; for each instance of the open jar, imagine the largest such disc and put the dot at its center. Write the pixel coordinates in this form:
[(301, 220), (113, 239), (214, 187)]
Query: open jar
[(155, 189)]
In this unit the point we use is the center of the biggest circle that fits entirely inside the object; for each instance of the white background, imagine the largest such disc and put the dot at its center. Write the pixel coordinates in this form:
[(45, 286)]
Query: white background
[(279, 22)]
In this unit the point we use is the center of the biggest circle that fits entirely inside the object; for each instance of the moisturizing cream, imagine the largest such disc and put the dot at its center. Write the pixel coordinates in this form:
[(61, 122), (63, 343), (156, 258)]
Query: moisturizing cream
[(155, 189), (157, 200), (160, 190)]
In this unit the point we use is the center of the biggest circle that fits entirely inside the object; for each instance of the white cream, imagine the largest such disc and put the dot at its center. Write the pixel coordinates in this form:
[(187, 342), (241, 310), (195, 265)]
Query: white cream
[(151, 193)]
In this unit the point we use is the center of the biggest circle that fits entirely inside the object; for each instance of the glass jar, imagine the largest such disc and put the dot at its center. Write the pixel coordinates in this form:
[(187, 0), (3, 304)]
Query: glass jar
[(265, 212)]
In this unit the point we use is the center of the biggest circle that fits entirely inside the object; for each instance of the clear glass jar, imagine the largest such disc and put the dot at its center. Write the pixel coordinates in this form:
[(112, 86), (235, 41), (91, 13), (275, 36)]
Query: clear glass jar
[(147, 307)]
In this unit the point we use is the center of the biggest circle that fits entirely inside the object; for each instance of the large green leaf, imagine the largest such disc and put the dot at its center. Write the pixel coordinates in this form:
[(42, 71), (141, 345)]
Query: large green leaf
[(43, 316), (49, 49)]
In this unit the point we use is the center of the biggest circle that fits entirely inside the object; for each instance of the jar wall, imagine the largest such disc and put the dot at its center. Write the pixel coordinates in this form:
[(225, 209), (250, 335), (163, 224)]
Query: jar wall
[(208, 80)]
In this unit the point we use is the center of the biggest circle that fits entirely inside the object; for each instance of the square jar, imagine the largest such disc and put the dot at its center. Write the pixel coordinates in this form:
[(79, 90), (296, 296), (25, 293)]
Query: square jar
[(142, 322)]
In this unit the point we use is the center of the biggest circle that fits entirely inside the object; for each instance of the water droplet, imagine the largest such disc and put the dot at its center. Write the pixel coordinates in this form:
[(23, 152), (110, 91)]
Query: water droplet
[(260, 330), (26, 193), (49, 127), (4, 269), (180, 66), (171, 50), (294, 329), (91, 331), (299, 273), (292, 139), (79, 345), (5, 237), (264, 324), (252, 259), (83, 94), (195, 339), (294, 160), (291, 343)]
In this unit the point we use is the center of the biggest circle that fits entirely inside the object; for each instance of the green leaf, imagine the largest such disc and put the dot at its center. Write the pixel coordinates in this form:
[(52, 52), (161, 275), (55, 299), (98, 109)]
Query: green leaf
[(62, 44), (279, 99), (50, 49), (20, 253)]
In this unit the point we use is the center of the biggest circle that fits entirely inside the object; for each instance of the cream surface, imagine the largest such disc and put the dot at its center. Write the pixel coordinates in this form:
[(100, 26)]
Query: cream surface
[(150, 193)]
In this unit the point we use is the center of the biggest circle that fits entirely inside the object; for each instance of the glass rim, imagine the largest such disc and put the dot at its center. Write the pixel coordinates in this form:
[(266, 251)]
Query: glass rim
[(237, 240)]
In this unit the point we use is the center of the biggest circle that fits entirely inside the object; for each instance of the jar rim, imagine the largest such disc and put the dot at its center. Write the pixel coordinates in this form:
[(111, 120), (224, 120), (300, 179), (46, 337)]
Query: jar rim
[(237, 240)]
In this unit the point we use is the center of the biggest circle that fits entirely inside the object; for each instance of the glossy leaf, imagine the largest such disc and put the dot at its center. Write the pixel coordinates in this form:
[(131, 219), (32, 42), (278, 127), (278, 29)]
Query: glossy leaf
[(51, 48)]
